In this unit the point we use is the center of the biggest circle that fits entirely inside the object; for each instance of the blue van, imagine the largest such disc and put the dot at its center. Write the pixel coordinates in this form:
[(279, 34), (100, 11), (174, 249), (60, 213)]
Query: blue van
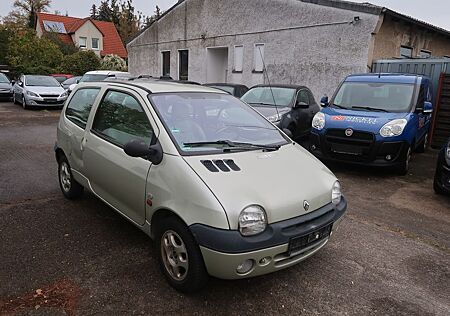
[(374, 120)]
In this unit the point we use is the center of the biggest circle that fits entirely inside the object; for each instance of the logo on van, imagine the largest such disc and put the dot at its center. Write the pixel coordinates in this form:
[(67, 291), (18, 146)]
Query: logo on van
[(348, 132), (338, 118), (305, 205)]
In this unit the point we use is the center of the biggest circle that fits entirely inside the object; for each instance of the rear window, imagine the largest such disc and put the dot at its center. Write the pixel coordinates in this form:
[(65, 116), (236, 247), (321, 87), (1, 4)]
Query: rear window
[(80, 106)]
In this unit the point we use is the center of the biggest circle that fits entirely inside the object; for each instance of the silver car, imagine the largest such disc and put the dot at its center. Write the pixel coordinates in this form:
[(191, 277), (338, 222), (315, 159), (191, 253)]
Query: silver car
[(220, 189), (35, 91)]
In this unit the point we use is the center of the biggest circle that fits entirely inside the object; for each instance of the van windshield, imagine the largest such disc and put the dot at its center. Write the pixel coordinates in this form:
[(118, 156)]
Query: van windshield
[(386, 97), (211, 122)]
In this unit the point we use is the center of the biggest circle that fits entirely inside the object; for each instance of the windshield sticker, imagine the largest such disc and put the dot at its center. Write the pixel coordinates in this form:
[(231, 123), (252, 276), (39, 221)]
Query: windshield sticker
[(355, 119)]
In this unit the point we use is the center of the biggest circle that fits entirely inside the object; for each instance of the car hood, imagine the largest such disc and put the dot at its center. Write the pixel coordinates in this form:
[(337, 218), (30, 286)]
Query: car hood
[(358, 120), (45, 90), (268, 111), (4, 86), (279, 181)]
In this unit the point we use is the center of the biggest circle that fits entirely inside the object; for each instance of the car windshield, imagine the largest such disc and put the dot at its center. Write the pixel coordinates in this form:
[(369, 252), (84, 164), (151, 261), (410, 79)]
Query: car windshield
[(60, 79), (42, 81), (200, 122), (389, 97), (70, 80), (93, 78), (266, 96), (228, 89), (3, 78)]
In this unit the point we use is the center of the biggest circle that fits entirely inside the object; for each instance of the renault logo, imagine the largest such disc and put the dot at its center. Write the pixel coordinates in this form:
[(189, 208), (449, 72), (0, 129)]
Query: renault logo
[(305, 205), (348, 132)]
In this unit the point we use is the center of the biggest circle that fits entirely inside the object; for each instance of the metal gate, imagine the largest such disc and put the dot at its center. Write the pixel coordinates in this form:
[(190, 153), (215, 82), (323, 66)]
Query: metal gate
[(439, 72)]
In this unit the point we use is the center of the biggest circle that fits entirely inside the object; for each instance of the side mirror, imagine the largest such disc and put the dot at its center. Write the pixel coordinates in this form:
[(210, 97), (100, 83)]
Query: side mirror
[(427, 107), (77, 81), (20, 84), (139, 149), (288, 133), (13, 82), (302, 105), (324, 101)]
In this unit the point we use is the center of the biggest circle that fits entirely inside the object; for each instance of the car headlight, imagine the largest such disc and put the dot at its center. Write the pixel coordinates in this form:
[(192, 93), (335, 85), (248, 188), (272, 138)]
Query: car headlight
[(274, 118), (393, 128), (336, 194), (318, 121), (65, 94), (252, 220), (32, 94)]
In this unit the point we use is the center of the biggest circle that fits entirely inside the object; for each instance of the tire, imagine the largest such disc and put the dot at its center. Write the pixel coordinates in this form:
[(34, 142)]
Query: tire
[(69, 186), (14, 98), (437, 188), (187, 275), (24, 103), (404, 167), (423, 144)]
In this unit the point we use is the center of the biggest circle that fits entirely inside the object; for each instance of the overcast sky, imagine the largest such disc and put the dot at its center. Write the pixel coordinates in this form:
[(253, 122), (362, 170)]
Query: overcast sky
[(436, 12)]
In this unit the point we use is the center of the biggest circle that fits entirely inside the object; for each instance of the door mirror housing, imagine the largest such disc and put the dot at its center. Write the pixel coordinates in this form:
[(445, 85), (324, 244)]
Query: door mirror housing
[(13, 82), (427, 107), (324, 101), (302, 105), (139, 149)]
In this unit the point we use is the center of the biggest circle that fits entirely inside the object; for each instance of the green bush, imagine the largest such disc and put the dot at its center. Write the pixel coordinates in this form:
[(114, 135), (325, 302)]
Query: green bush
[(114, 62), (79, 63)]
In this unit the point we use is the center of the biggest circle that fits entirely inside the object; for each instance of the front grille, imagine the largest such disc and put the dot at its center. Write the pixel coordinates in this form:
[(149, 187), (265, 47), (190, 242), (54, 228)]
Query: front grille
[(49, 95), (50, 101), (354, 147)]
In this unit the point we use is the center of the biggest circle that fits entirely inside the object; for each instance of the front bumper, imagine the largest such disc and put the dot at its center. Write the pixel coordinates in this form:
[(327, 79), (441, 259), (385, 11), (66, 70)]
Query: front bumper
[(367, 152), (6, 95), (40, 101), (224, 250)]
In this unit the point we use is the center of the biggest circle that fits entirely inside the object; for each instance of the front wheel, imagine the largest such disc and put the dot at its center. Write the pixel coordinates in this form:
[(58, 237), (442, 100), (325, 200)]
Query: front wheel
[(404, 167), (24, 103), (179, 256)]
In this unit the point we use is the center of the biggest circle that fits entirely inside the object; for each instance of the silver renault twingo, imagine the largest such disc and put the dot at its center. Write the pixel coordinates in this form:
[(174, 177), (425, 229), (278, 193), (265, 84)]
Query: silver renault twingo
[(219, 189)]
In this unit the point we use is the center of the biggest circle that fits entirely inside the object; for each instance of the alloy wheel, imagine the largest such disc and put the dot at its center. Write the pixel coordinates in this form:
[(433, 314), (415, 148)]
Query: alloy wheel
[(174, 255), (64, 177)]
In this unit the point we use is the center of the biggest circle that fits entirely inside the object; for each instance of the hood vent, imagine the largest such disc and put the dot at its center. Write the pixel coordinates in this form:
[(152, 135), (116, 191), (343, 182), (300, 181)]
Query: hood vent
[(220, 165)]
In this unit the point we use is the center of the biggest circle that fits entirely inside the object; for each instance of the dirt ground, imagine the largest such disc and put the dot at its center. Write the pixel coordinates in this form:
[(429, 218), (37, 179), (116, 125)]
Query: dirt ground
[(390, 256)]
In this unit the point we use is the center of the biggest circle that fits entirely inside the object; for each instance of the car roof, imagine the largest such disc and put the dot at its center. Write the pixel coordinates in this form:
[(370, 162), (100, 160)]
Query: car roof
[(106, 72), (385, 77), (224, 84), (160, 86), (291, 86)]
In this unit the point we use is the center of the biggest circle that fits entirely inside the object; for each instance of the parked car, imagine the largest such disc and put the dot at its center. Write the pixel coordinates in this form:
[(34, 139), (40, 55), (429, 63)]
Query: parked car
[(6, 88), (442, 175), (290, 107), (99, 75), (61, 77), (67, 83), (375, 120), (190, 165), (33, 90), (237, 90)]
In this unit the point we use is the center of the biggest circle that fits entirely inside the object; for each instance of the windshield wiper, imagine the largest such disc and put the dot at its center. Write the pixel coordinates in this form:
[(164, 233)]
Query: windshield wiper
[(234, 145), (369, 108), (340, 106), (260, 103)]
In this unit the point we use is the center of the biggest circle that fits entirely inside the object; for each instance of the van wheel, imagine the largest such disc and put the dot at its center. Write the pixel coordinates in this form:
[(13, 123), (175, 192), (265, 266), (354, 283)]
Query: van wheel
[(423, 144), (404, 167), (179, 256), (69, 187)]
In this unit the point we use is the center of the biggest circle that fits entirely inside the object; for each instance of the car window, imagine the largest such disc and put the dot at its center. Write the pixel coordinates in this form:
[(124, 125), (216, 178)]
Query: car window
[(3, 78), (267, 96), (80, 106), (303, 96), (120, 119), (41, 81)]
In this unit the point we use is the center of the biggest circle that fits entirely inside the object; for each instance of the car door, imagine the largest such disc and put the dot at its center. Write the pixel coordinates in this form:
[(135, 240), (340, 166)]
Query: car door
[(18, 88), (423, 119), (76, 115), (302, 114), (115, 177)]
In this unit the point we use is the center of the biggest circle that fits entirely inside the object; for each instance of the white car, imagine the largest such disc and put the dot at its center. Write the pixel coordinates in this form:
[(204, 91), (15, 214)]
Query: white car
[(99, 75), (220, 189)]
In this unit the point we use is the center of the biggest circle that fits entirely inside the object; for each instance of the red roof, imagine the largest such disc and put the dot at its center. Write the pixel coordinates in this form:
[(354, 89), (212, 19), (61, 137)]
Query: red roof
[(112, 43)]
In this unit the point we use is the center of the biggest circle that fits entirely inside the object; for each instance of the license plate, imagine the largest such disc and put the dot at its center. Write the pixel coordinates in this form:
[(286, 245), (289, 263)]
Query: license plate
[(298, 243), (346, 149)]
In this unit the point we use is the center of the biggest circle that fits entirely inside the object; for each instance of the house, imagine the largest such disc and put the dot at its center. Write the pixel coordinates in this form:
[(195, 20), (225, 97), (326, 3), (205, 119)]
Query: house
[(312, 42), (99, 36)]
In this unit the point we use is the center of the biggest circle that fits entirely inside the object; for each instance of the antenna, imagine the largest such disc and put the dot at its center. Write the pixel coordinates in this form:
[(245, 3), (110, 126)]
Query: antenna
[(268, 81)]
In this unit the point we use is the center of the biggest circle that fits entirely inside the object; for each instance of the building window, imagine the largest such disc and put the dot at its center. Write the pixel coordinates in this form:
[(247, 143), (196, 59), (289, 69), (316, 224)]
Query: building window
[(183, 64), (425, 54), (95, 43), (82, 42), (238, 58), (406, 52), (258, 58), (166, 64)]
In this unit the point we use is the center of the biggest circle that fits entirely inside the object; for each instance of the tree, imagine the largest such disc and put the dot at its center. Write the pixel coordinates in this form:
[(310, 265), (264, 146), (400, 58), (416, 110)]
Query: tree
[(5, 40), (80, 63), (24, 12), (33, 55), (94, 12), (65, 48), (113, 62)]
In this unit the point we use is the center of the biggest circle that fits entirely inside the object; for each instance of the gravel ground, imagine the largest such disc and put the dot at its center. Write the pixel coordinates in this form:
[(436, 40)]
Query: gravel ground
[(390, 256)]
